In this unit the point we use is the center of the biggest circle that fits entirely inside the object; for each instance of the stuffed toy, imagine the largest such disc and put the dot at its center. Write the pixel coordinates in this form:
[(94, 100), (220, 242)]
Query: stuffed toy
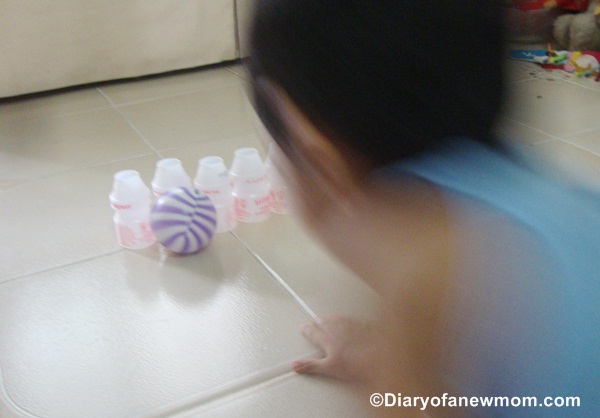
[(579, 32)]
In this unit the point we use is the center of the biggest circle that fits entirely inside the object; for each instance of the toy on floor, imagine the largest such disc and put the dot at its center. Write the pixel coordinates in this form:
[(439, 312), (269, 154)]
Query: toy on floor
[(212, 179), (185, 217), (251, 193), (583, 64), (580, 63), (130, 200), (579, 32), (183, 220), (548, 58)]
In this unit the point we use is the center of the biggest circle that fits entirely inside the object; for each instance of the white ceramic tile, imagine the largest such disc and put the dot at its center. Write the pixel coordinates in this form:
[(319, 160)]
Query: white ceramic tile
[(52, 104), (62, 219), (173, 84), (587, 82), (316, 277), (589, 141), (520, 133), (133, 332), (289, 396), (38, 148), (188, 119), (554, 107)]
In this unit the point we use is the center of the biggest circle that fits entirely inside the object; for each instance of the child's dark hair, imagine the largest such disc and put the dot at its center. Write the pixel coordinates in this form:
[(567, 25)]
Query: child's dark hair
[(388, 78)]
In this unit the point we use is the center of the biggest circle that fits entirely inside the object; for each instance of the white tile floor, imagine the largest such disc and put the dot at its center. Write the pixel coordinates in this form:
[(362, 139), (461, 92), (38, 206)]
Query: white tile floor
[(91, 330)]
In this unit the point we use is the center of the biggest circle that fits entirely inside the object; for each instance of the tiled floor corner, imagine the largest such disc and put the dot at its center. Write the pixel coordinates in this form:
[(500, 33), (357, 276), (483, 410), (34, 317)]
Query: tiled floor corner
[(88, 329)]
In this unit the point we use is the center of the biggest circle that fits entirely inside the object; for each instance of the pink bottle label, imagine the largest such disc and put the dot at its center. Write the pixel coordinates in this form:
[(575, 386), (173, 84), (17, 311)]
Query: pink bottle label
[(134, 236), (253, 209)]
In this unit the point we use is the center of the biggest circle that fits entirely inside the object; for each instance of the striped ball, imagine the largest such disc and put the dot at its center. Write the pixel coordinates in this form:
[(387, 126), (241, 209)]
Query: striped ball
[(183, 220)]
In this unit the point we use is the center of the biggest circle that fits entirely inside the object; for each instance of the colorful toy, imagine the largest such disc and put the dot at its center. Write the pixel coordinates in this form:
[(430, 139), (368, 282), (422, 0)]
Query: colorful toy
[(579, 32), (183, 220), (580, 63), (549, 58), (583, 64)]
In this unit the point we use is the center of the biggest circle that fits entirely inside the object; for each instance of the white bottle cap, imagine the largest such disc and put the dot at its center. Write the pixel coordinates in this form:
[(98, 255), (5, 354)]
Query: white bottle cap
[(169, 174), (128, 189), (212, 173), (247, 163)]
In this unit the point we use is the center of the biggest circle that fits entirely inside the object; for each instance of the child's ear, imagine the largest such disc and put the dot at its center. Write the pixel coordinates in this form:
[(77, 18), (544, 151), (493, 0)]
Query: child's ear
[(332, 163)]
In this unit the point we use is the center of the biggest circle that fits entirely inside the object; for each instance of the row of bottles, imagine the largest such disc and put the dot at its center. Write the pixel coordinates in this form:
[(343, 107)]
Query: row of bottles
[(248, 192)]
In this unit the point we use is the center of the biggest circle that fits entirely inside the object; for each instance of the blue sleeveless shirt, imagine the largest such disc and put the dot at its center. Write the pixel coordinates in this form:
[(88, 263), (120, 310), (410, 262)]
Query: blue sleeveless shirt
[(536, 330)]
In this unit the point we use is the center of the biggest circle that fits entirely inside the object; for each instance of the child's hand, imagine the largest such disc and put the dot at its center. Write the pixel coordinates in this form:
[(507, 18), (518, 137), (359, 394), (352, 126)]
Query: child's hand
[(346, 345)]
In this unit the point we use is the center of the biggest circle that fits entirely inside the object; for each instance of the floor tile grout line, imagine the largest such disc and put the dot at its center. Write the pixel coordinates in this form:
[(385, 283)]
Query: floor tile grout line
[(58, 115), (303, 305), (581, 132), (563, 138), (552, 137), (170, 96), (49, 269), (232, 397), (128, 122), (575, 83), (210, 399), (566, 140)]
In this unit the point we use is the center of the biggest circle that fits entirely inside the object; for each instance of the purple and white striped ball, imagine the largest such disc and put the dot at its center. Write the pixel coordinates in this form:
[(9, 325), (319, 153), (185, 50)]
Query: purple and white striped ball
[(183, 220)]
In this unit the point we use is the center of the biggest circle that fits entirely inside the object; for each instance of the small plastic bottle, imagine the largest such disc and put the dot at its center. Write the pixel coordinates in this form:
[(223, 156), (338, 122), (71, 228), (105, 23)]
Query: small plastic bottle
[(131, 199), (212, 179), (251, 194)]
